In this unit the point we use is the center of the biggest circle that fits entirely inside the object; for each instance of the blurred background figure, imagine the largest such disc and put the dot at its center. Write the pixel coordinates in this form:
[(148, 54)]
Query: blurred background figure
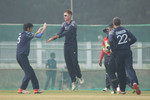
[(51, 71), (64, 80)]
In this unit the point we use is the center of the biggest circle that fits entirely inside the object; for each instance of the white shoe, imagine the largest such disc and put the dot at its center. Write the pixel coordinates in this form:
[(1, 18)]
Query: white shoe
[(106, 89), (74, 85), (122, 92), (81, 80), (113, 92), (118, 89)]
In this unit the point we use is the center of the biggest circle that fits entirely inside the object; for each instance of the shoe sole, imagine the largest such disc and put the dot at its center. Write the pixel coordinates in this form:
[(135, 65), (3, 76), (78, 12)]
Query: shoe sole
[(22, 93), (123, 93), (106, 90), (137, 90), (113, 92)]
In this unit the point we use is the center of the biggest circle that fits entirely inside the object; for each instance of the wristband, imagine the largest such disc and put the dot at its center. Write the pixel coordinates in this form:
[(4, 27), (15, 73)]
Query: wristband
[(39, 35)]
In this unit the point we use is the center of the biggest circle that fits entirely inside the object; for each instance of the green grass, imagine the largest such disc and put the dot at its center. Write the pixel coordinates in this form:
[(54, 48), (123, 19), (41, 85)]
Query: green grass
[(72, 95)]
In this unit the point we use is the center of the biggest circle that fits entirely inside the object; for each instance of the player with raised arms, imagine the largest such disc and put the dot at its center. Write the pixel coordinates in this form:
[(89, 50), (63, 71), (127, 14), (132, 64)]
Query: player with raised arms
[(22, 52), (69, 29)]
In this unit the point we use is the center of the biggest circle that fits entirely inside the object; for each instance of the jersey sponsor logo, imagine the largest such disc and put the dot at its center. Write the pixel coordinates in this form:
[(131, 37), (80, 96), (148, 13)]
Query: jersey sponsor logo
[(106, 44)]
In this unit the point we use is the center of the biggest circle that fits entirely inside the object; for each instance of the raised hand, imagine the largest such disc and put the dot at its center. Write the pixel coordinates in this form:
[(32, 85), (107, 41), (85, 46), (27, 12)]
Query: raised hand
[(39, 30), (44, 27)]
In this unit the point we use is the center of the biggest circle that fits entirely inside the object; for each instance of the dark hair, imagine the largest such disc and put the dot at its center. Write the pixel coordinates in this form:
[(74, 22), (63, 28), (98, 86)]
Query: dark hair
[(116, 21), (68, 11), (27, 25)]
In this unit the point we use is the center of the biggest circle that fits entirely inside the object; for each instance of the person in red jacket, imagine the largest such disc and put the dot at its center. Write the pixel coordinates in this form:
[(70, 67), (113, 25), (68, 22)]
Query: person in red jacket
[(106, 53)]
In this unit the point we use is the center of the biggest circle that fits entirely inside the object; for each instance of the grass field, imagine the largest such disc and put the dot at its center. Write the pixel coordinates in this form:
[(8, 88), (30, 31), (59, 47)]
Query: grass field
[(72, 95)]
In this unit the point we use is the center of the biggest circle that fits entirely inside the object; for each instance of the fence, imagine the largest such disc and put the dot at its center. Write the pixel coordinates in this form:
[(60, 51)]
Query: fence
[(89, 49), (89, 53)]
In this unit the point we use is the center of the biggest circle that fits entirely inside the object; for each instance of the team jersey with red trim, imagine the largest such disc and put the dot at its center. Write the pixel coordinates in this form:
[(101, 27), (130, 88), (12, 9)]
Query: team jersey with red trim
[(105, 42)]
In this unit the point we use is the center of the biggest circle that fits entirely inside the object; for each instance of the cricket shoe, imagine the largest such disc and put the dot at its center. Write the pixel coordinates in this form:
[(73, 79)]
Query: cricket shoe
[(122, 92), (74, 85), (113, 92), (106, 89), (118, 89), (81, 80), (21, 91), (137, 90), (37, 91)]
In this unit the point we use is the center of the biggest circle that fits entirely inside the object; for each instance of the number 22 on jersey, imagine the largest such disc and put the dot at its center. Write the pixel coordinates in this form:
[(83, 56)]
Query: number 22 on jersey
[(122, 38)]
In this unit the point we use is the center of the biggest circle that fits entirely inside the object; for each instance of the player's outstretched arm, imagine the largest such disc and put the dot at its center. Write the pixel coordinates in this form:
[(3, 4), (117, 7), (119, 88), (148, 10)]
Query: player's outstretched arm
[(52, 38), (40, 31), (44, 27)]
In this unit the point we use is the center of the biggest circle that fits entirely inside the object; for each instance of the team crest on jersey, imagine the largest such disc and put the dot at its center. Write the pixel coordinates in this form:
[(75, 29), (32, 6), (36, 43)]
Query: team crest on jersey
[(66, 28)]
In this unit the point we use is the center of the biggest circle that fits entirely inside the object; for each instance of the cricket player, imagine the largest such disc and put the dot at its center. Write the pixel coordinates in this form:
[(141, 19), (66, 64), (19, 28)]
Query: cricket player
[(106, 53), (69, 29), (22, 52), (120, 40)]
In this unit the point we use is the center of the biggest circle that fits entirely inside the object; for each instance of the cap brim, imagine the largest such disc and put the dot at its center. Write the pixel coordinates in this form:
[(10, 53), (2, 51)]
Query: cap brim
[(105, 30)]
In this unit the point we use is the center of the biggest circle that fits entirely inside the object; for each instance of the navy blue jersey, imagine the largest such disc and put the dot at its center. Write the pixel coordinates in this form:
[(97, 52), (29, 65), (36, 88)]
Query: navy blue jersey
[(23, 44), (69, 31), (120, 38), (51, 64)]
